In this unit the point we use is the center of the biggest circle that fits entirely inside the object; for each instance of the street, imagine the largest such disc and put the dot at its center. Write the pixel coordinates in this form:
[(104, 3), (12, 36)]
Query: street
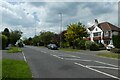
[(46, 63)]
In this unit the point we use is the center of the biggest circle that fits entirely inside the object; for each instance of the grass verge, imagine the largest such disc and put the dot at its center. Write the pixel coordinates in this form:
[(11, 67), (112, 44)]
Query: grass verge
[(110, 55), (69, 49), (0, 69), (14, 50), (15, 69)]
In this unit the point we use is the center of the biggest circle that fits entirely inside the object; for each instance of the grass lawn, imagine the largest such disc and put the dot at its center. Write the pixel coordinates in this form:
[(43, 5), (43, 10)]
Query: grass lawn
[(69, 49), (110, 55), (15, 69), (14, 50)]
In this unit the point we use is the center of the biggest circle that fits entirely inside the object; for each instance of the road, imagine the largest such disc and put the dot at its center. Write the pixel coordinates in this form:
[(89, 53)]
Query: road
[(45, 63)]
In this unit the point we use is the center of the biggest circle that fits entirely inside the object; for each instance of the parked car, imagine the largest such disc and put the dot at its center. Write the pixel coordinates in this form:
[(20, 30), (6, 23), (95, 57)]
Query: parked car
[(9, 46), (110, 46), (48, 46), (20, 44), (52, 46)]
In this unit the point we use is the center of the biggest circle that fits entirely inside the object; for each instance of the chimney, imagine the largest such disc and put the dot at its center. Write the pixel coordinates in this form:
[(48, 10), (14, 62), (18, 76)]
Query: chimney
[(96, 22)]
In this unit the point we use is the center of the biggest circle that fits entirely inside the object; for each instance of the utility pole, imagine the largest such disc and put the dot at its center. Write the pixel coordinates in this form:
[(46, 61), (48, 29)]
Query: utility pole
[(60, 28)]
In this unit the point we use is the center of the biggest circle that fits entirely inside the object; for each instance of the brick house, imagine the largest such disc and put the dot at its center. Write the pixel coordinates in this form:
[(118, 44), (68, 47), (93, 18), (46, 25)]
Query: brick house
[(102, 32)]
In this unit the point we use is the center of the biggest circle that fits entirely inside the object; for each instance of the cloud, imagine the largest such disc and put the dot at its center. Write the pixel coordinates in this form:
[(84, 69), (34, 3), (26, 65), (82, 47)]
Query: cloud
[(38, 4), (15, 15), (29, 16)]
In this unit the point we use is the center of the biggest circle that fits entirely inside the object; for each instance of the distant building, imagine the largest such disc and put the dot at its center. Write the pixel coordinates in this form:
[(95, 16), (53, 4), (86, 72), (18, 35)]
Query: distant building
[(102, 32)]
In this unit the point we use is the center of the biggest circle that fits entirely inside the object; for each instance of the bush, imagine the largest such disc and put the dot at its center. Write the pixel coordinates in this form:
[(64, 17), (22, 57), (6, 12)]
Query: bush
[(81, 44), (101, 46), (91, 45), (3, 41), (64, 44), (87, 44), (94, 46), (115, 50)]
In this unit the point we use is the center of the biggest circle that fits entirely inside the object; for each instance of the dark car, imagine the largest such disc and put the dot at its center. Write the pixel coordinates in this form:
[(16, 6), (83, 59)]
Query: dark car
[(52, 46)]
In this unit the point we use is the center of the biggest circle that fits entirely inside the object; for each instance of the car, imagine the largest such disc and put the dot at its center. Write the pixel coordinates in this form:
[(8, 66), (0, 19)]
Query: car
[(48, 46), (52, 46), (110, 46), (20, 44)]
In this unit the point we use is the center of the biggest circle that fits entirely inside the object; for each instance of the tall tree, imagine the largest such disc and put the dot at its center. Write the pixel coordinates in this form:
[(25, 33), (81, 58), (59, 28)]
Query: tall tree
[(15, 36), (56, 39), (36, 40), (46, 37), (75, 33), (7, 34)]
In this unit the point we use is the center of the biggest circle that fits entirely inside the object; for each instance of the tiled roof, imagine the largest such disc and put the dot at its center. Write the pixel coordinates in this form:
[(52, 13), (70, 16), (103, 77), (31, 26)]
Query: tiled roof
[(105, 26), (91, 28)]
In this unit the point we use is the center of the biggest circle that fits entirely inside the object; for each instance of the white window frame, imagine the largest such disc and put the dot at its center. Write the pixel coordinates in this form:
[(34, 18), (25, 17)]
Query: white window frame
[(98, 34), (106, 33)]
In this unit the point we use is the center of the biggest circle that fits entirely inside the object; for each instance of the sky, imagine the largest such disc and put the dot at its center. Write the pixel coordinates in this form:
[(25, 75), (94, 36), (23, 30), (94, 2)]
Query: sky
[(32, 17)]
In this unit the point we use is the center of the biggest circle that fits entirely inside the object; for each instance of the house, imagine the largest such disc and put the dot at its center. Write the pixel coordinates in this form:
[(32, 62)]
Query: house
[(102, 32)]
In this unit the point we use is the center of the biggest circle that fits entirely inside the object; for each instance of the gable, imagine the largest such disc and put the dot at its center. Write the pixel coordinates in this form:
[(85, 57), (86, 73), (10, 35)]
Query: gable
[(88, 30), (97, 29)]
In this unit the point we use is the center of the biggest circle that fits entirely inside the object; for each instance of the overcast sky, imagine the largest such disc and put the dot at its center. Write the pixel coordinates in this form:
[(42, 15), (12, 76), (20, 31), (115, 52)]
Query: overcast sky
[(44, 16)]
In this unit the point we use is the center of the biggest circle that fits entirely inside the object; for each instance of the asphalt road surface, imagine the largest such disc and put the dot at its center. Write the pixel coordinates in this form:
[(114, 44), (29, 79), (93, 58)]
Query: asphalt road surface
[(46, 63)]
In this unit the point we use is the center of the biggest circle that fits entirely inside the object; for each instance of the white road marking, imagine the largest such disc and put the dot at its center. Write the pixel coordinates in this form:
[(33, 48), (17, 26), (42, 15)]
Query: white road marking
[(24, 57), (106, 63), (43, 52), (103, 67), (75, 56), (97, 71), (68, 55), (76, 59), (57, 56)]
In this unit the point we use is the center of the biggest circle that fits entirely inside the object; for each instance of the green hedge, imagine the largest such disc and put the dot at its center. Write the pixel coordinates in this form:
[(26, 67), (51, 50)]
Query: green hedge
[(64, 44), (87, 44), (115, 50), (116, 40), (3, 41), (81, 44), (91, 45), (94, 46)]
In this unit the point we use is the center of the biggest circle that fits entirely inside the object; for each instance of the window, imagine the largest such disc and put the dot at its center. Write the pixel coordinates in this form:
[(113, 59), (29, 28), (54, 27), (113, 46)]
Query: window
[(96, 29), (97, 34), (105, 33)]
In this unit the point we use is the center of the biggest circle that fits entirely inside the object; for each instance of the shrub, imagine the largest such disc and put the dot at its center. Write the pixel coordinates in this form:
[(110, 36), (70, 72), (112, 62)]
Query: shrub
[(3, 41), (101, 46), (91, 45), (94, 46), (87, 44), (115, 50), (81, 44), (64, 44)]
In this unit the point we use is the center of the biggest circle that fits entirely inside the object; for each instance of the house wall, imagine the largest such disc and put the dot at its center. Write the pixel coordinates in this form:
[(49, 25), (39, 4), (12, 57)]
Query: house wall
[(96, 30), (103, 39)]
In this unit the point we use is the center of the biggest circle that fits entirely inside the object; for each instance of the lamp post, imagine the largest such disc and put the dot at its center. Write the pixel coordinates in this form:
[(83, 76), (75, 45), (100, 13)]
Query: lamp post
[(60, 28)]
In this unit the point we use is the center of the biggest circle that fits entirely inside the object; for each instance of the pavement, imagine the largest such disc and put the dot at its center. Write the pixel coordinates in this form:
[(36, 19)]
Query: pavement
[(46, 63), (15, 56)]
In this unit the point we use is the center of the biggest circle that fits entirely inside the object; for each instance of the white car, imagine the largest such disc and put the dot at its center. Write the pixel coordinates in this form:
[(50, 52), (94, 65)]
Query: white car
[(110, 46)]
